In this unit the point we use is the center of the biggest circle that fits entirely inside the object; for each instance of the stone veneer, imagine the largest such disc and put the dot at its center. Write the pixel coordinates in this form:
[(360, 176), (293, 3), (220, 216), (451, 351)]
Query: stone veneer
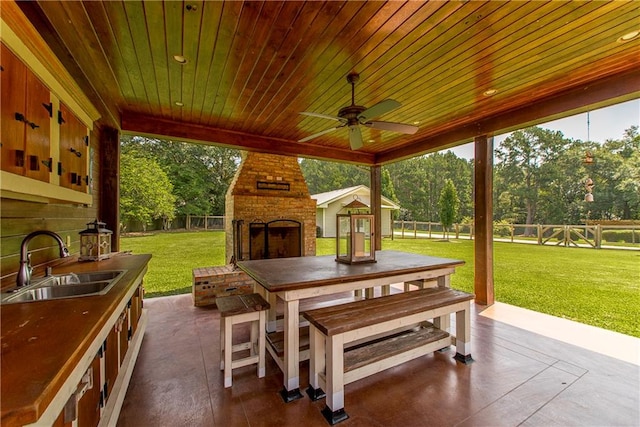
[(246, 201)]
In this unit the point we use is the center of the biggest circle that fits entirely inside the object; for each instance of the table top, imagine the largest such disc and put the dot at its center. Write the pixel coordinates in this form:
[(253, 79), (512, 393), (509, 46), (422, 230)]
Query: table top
[(285, 274)]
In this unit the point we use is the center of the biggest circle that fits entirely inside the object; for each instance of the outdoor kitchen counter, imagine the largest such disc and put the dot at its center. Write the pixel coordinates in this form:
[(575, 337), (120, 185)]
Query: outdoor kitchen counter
[(43, 342)]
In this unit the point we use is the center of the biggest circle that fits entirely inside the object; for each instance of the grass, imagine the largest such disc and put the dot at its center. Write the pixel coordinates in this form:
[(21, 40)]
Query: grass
[(595, 287)]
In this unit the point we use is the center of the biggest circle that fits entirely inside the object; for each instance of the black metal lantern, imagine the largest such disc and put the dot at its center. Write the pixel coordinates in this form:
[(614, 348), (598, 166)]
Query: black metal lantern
[(354, 235), (95, 242)]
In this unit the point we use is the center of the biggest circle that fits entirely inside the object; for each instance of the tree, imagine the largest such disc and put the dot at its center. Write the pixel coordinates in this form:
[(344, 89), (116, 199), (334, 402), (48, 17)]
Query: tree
[(527, 165), (418, 183), (448, 204), (145, 190), (322, 176), (200, 173)]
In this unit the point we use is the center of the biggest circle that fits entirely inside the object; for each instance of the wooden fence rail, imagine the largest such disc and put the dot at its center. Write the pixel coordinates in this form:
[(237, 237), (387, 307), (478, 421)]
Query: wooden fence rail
[(589, 235)]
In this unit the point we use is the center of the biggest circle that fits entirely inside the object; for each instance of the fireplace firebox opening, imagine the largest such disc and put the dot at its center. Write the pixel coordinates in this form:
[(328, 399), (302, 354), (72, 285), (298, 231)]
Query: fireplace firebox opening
[(281, 238)]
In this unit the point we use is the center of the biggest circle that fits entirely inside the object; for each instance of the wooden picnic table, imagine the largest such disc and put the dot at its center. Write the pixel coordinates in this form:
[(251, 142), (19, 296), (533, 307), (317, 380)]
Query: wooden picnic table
[(294, 279)]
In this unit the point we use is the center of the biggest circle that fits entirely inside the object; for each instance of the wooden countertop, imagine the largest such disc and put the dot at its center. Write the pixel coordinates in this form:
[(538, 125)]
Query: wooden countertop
[(43, 341), (284, 274)]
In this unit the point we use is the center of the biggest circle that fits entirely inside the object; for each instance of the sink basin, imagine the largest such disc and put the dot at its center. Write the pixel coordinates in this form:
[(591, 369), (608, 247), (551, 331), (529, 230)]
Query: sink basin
[(69, 285), (77, 278)]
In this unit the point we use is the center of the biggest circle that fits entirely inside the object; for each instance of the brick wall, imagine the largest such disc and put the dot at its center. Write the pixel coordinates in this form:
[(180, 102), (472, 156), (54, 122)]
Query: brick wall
[(210, 283)]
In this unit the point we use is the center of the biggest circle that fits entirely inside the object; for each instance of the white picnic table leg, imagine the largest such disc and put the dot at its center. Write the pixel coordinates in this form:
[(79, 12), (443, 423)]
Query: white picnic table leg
[(291, 351), (272, 299)]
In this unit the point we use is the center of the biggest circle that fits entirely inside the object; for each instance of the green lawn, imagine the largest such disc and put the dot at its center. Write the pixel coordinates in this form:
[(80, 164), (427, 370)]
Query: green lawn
[(596, 287)]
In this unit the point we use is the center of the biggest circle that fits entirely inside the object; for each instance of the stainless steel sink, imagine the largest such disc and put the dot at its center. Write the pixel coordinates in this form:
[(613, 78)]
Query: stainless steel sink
[(70, 285), (78, 278)]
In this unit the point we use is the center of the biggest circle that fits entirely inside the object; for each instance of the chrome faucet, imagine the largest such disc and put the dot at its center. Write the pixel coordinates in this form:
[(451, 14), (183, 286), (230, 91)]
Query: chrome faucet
[(24, 273)]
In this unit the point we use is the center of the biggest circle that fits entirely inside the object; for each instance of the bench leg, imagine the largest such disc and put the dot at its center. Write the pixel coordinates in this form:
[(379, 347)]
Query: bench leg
[(228, 352), (463, 335), (334, 410), (261, 343), (222, 343), (443, 323), (316, 363)]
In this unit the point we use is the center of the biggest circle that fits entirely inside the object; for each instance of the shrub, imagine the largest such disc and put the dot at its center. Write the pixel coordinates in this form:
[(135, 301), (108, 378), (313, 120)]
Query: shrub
[(622, 236)]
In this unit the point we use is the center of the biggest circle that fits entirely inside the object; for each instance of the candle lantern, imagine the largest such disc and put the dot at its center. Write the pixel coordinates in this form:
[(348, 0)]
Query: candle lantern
[(95, 242), (354, 235)]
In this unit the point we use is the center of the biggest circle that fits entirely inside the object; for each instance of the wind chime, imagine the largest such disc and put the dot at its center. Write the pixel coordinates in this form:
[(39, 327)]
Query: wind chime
[(588, 183)]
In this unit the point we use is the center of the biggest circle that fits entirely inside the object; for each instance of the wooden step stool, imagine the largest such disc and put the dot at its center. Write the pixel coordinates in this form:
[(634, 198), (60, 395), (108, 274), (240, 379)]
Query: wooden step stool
[(239, 309)]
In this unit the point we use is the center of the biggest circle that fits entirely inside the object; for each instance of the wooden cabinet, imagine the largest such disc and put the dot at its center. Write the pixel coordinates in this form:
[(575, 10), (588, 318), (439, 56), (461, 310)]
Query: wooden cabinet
[(26, 107), (44, 134), (74, 143), (123, 332), (136, 309), (89, 404), (111, 361)]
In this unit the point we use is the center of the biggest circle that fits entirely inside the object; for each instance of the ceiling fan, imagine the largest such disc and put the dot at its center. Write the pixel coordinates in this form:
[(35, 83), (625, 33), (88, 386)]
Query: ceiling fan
[(354, 115)]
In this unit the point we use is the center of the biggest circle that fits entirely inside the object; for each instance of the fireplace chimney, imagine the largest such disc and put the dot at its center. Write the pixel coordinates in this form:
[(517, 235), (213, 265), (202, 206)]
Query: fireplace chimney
[(269, 210)]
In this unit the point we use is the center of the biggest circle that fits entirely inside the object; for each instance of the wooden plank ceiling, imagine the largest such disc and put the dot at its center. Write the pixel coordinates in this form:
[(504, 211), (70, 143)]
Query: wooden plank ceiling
[(252, 67)]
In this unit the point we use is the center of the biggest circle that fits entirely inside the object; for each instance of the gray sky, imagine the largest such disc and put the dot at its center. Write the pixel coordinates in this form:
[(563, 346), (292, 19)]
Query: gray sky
[(605, 123)]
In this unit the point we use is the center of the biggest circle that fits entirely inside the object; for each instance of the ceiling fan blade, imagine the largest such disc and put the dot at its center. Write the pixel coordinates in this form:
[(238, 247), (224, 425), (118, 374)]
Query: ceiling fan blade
[(378, 109), (355, 137), (395, 127), (315, 135), (323, 116)]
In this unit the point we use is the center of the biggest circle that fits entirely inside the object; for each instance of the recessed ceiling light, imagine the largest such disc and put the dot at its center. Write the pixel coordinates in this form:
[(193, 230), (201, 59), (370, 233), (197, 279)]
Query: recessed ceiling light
[(629, 36), (417, 122), (180, 59), (490, 92), (179, 104), (371, 141)]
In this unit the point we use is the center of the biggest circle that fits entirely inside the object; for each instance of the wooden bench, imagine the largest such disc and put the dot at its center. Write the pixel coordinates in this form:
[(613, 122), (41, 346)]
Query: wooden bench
[(365, 326)]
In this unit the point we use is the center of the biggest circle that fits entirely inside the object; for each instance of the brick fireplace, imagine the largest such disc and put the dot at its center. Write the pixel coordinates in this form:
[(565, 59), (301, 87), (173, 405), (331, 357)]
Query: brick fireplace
[(269, 211)]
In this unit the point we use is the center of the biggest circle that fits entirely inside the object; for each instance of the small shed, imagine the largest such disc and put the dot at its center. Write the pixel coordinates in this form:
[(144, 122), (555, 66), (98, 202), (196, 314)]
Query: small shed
[(329, 204)]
